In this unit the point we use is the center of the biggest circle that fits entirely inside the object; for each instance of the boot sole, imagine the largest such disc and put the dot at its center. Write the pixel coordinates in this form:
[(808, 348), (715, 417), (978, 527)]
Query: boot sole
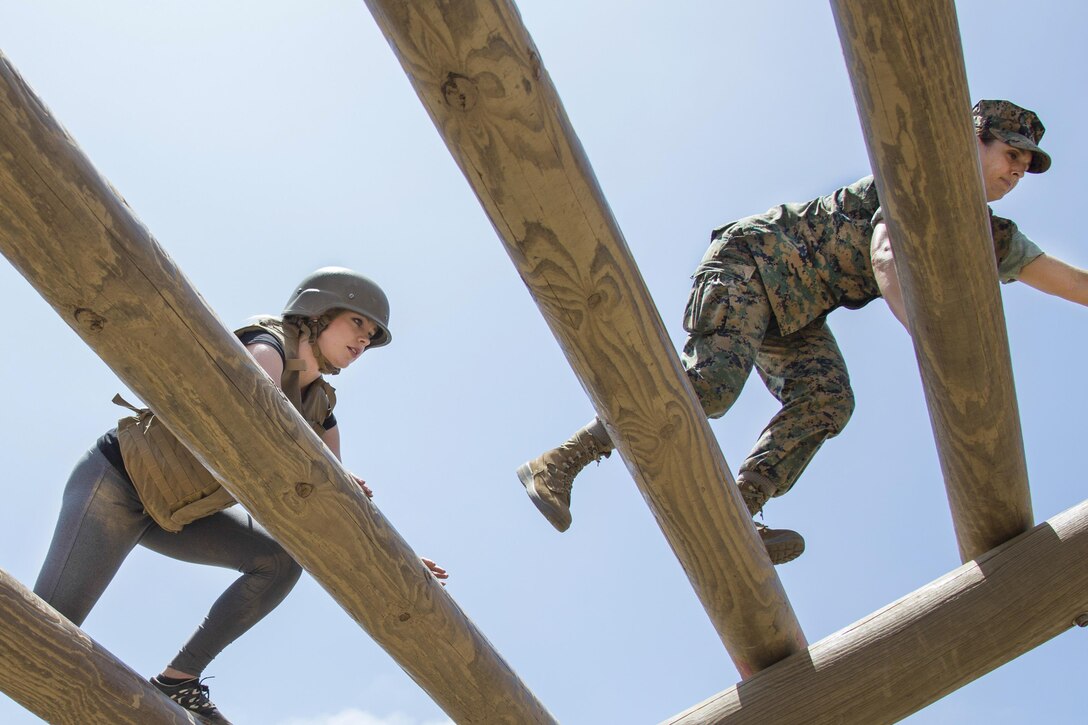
[(211, 721), (784, 547), (556, 517)]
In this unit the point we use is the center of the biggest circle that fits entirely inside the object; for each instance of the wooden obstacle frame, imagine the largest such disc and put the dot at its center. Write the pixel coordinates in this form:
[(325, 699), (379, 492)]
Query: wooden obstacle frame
[(78, 243), (484, 84)]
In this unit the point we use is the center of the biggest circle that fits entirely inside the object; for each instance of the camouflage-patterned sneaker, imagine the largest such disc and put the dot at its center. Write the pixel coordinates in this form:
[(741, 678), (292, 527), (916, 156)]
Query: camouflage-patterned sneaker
[(549, 479), (193, 696), (782, 545)]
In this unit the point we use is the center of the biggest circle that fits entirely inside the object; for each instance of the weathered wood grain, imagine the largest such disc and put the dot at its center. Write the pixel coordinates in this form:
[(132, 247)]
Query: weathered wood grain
[(937, 639), (77, 242), (906, 65), (482, 81), (52, 668)]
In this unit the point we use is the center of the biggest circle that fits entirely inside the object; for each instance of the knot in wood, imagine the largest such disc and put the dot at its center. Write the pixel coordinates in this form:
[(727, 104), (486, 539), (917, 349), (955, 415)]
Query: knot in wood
[(89, 319), (303, 489), (460, 92), (404, 616)]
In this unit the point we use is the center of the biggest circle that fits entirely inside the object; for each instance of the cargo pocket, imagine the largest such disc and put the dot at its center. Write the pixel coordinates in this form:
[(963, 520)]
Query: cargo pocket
[(712, 294)]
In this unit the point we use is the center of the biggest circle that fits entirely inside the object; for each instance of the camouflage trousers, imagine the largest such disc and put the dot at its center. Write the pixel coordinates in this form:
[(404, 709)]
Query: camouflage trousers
[(731, 328)]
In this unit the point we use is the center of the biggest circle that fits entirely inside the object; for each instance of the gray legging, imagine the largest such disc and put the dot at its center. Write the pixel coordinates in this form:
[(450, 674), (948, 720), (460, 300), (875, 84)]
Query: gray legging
[(102, 519)]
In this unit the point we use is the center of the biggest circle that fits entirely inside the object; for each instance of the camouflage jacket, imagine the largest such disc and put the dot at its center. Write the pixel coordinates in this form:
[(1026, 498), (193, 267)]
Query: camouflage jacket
[(814, 256)]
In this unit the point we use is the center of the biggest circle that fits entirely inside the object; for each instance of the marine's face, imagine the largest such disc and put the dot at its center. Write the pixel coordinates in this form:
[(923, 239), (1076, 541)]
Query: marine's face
[(346, 337), (1002, 167)]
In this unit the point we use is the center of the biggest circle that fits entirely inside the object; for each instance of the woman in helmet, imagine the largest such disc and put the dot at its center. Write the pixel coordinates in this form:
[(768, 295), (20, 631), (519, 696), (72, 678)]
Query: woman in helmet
[(139, 485)]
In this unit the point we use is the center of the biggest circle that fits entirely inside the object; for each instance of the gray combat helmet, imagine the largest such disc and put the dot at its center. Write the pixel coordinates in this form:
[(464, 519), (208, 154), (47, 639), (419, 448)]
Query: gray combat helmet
[(340, 288)]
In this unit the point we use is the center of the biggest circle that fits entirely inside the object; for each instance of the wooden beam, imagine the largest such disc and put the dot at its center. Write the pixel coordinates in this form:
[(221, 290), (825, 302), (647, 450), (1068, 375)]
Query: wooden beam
[(78, 243), (929, 643), (481, 79), (906, 65), (52, 668)]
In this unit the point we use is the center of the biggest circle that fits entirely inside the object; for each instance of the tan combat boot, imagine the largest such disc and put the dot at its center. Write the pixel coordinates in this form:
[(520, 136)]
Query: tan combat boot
[(782, 545), (549, 478)]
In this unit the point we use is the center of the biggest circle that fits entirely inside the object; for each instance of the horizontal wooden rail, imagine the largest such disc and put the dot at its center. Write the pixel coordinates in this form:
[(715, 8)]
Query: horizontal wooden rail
[(52, 668), (929, 643)]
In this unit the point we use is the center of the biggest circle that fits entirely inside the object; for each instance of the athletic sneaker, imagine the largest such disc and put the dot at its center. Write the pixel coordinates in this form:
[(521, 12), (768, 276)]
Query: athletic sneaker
[(193, 696)]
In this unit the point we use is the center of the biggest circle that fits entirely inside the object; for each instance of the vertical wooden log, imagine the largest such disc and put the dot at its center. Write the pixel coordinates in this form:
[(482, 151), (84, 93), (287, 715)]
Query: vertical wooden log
[(66, 230), (915, 651), (906, 65), (52, 668), (482, 81)]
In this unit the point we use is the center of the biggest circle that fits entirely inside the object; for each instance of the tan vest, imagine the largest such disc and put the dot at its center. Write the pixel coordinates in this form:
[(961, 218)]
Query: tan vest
[(173, 485)]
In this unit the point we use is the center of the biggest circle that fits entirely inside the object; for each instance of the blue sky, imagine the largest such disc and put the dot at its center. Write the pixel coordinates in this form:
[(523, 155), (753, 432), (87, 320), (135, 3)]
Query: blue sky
[(260, 140)]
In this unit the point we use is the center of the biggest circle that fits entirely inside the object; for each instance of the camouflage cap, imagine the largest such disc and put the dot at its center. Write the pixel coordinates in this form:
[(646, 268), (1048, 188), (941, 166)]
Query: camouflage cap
[(1016, 126)]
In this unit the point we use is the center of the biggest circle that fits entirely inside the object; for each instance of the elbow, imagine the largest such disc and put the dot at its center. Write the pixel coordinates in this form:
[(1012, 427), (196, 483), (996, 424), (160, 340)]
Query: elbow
[(882, 254), (880, 249)]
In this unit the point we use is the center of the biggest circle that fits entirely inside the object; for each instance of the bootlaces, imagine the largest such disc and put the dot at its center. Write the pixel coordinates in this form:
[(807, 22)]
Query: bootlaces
[(581, 452), (192, 695), (753, 499)]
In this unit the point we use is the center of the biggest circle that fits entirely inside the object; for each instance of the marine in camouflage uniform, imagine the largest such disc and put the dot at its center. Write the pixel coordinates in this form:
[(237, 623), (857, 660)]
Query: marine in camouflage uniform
[(760, 298)]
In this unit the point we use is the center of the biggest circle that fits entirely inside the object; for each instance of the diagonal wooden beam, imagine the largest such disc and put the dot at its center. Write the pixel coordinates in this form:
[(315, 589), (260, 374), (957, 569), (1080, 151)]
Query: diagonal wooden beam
[(482, 81), (929, 643), (906, 64), (52, 668), (65, 229)]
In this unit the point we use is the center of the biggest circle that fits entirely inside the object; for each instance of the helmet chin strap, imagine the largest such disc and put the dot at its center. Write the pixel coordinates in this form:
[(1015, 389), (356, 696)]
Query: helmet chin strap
[(293, 365), (311, 329), (323, 364)]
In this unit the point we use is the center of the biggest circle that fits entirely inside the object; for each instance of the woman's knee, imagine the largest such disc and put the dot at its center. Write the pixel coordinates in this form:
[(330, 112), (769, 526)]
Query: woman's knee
[(275, 564), (291, 573)]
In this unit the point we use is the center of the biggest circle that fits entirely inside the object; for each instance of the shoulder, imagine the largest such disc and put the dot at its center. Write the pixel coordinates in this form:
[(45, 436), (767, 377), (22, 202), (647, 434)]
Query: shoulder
[(263, 337), (1007, 235), (855, 204), (862, 191), (1001, 225), (263, 329), (271, 324), (269, 355)]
